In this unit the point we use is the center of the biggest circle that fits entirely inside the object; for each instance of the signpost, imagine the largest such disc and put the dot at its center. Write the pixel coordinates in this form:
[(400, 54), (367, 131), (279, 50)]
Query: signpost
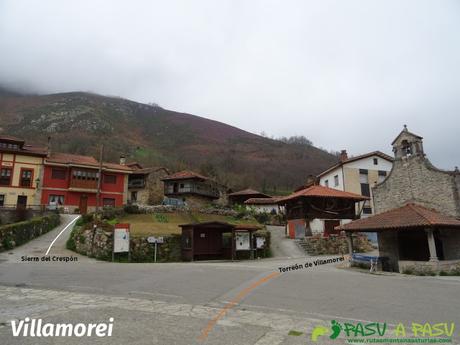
[(156, 241), (121, 240)]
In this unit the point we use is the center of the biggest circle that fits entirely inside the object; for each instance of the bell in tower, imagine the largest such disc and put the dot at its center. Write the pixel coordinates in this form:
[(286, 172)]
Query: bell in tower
[(407, 144)]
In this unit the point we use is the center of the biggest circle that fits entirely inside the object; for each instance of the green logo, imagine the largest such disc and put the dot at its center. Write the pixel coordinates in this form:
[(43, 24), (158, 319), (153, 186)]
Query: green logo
[(353, 331)]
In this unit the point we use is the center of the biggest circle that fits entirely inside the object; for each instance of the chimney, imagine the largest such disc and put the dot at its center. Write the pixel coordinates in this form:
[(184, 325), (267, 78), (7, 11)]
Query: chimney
[(343, 156), (122, 160), (311, 181), (48, 147)]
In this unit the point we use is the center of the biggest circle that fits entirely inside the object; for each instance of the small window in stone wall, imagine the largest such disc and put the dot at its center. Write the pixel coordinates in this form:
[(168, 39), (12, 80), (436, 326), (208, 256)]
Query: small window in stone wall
[(376, 161), (2, 200)]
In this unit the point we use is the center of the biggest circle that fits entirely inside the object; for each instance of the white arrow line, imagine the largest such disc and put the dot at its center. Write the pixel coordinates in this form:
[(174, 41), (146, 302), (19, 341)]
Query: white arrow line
[(73, 221)]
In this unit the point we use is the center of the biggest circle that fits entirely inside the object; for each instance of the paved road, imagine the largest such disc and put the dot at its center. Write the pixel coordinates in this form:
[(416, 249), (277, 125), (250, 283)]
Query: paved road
[(173, 303), (39, 246), (281, 246)]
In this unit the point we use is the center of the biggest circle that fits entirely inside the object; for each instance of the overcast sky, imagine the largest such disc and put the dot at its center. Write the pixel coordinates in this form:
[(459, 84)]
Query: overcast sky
[(346, 74)]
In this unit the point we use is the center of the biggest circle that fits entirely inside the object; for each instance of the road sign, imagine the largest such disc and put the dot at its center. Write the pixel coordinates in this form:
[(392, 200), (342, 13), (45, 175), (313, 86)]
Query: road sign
[(152, 239)]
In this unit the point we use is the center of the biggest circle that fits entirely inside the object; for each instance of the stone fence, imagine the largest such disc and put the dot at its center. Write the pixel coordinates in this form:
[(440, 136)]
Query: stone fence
[(319, 245), (98, 243)]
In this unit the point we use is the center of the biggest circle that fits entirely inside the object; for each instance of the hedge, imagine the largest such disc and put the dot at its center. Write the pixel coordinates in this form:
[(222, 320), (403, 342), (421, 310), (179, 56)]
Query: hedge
[(13, 235)]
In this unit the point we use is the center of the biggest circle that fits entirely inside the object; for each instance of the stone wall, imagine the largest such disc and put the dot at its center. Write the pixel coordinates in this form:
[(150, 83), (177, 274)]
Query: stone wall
[(319, 245), (429, 267), (13, 235), (98, 243), (415, 179), (388, 247)]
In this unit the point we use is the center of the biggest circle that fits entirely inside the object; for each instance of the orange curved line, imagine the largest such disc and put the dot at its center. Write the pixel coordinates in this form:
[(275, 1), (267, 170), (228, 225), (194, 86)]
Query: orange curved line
[(232, 303)]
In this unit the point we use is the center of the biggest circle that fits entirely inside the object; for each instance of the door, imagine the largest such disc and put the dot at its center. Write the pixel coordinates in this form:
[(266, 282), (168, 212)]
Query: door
[(83, 204), (329, 226), (22, 202), (299, 230)]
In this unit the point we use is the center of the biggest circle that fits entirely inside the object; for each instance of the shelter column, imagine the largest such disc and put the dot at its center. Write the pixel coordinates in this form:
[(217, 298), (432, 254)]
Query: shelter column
[(431, 245)]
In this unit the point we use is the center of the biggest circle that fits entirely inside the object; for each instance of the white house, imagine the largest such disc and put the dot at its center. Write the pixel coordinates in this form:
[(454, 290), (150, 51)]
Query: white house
[(355, 175)]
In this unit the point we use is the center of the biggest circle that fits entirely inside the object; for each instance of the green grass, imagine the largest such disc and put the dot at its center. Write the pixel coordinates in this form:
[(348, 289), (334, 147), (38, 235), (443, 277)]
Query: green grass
[(295, 333), (168, 223)]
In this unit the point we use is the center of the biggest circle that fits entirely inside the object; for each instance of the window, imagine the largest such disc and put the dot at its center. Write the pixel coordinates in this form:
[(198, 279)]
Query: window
[(336, 180), (382, 175), (112, 179), (367, 210), (9, 146), (364, 181), (376, 161), (26, 178), (5, 177), (2, 200), (85, 175), (56, 200), (58, 174), (326, 183), (108, 202)]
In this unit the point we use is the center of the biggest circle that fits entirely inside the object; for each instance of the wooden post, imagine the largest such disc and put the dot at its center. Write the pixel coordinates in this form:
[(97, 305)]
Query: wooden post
[(99, 180), (193, 248), (251, 247), (233, 244)]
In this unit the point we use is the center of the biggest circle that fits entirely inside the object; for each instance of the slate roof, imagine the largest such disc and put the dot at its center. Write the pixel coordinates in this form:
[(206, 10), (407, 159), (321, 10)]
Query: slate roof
[(261, 201), (249, 191), (185, 174)]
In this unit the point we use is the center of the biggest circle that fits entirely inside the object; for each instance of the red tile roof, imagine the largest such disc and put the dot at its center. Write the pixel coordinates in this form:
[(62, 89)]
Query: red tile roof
[(410, 216), (71, 159), (323, 192), (249, 192), (185, 174), (355, 158), (25, 149), (262, 201)]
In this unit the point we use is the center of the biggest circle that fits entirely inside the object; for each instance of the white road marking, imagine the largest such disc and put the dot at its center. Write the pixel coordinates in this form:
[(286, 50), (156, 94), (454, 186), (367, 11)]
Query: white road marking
[(73, 221)]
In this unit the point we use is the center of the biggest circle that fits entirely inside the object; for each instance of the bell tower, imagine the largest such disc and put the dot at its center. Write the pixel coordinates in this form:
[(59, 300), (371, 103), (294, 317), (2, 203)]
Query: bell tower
[(407, 145)]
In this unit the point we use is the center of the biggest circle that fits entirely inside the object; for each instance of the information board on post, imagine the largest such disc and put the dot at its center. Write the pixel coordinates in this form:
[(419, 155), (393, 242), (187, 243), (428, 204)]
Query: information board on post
[(121, 239)]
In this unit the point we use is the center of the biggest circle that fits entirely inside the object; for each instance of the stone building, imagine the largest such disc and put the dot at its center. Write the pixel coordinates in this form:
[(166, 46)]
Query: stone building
[(193, 189), (418, 211), (145, 186)]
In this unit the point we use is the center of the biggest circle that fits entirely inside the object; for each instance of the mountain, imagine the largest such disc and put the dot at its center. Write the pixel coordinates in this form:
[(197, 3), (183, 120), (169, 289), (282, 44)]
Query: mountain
[(79, 122)]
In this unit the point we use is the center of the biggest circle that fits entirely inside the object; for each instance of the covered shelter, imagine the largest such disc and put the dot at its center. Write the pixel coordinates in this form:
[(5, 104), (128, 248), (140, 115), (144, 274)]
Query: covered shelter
[(216, 240), (412, 236), (238, 198), (318, 202)]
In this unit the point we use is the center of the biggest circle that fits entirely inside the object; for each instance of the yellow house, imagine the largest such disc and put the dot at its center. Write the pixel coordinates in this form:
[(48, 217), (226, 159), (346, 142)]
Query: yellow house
[(21, 169)]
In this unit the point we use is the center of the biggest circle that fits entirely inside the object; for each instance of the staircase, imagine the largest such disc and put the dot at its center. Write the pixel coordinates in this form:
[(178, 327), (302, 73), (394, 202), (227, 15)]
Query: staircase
[(306, 246)]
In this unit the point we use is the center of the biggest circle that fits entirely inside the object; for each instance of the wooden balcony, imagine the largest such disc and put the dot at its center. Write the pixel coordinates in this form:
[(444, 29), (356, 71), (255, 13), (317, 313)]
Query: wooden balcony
[(136, 183), (201, 189), (86, 185)]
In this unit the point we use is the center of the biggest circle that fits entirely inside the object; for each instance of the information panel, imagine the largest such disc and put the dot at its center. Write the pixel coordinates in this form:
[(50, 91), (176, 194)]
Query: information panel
[(121, 239)]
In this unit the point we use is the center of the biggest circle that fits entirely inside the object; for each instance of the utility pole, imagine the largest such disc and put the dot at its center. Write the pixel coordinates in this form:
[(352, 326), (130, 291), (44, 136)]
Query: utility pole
[(99, 180)]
